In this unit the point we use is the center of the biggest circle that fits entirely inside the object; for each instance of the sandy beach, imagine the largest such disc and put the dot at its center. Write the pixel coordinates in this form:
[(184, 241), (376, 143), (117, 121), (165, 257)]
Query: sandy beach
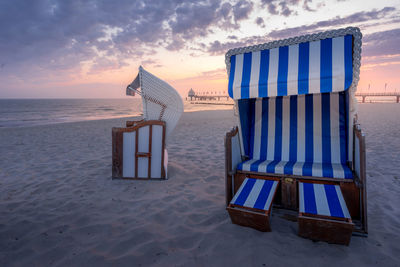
[(60, 207)]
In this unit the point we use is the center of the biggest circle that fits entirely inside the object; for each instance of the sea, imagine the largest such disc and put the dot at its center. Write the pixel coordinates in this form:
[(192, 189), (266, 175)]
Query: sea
[(32, 112)]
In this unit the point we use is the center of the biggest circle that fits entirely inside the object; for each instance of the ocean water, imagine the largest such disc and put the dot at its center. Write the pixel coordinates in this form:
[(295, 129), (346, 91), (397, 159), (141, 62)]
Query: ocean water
[(31, 112)]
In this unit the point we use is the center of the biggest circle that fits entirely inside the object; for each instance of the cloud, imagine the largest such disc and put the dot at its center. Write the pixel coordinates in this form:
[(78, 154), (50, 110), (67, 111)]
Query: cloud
[(285, 8), (217, 47), (260, 22), (382, 43), (64, 34), (363, 16)]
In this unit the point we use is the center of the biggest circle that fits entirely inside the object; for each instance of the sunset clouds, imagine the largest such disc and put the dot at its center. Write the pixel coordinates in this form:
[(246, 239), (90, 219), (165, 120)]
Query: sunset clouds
[(98, 45)]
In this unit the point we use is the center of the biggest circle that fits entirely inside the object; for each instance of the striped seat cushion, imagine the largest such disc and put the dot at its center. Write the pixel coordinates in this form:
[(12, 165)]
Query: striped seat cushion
[(329, 170), (322, 199), (255, 194)]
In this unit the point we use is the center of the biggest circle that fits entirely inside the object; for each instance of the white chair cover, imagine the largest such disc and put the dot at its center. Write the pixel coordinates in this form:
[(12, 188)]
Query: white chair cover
[(160, 100)]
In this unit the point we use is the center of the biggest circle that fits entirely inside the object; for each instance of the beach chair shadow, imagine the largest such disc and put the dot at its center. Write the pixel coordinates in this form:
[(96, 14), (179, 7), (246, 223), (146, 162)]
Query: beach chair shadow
[(138, 150), (298, 145)]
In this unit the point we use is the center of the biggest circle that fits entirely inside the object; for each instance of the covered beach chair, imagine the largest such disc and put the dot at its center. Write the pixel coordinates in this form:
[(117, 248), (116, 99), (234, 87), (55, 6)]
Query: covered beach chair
[(138, 150), (298, 130)]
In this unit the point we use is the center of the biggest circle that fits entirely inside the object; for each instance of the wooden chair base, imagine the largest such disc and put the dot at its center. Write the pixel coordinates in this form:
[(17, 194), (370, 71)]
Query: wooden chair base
[(324, 229), (248, 218)]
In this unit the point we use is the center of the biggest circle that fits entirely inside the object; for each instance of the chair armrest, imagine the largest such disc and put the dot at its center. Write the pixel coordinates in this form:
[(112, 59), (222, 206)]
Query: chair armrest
[(232, 159), (359, 167)]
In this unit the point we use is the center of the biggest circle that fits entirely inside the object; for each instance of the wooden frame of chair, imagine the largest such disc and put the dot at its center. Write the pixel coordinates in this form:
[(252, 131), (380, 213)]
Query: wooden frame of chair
[(117, 149)]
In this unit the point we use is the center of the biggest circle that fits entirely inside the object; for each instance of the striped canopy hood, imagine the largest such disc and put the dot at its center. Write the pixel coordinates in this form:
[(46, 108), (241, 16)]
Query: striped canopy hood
[(318, 63)]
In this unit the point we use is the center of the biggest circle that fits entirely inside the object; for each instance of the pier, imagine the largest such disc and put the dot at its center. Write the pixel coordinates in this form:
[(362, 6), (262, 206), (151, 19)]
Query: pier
[(202, 96), (365, 95)]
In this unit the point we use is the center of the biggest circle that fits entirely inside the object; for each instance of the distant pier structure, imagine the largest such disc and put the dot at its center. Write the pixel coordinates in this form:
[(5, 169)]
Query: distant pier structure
[(388, 94), (213, 95)]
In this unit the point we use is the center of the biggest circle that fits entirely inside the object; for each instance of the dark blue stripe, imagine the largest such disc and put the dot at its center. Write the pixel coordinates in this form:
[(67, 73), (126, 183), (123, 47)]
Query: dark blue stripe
[(326, 66), (304, 58), (326, 128), (333, 201), (278, 128), (307, 169), (254, 165), (293, 129), (327, 170), (231, 75), (342, 128), (288, 169), (271, 166), (264, 194), (347, 172), (309, 199), (244, 110), (245, 192), (246, 76), (283, 70), (264, 129), (252, 122), (348, 60), (264, 71), (309, 146)]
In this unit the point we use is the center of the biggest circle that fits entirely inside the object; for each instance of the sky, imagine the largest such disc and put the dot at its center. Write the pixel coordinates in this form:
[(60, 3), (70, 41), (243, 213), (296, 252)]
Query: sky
[(92, 49)]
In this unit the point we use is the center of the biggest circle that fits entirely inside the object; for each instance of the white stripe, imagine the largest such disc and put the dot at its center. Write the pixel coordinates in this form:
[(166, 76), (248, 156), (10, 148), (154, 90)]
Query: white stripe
[(335, 128), (143, 146), (280, 167), (270, 196), (257, 129), (320, 200), (246, 166), (317, 131), (285, 127), (301, 196), (156, 151), (316, 169), (143, 142), (271, 128), (254, 193), (239, 191), (273, 72), (255, 74), (293, 70), (342, 202), (262, 167), (128, 154), (237, 82), (338, 171), (301, 128), (338, 74), (314, 69), (298, 168)]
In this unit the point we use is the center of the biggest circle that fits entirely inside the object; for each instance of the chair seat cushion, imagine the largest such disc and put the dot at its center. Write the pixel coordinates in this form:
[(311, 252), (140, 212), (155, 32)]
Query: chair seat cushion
[(329, 170), (255, 194), (322, 199)]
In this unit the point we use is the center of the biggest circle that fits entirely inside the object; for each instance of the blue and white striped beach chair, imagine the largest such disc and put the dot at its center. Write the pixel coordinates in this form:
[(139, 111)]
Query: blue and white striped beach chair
[(297, 115)]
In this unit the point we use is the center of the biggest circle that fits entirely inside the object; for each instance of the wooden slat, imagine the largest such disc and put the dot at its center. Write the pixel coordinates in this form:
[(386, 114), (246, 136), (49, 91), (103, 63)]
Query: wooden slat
[(149, 160), (228, 164), (117, 155), (136, 152)]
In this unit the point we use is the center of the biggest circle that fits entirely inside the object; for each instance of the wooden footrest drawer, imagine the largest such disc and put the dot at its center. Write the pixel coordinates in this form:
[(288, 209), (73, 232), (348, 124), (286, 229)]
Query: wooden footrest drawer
[(251, 205), (323, 214)]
